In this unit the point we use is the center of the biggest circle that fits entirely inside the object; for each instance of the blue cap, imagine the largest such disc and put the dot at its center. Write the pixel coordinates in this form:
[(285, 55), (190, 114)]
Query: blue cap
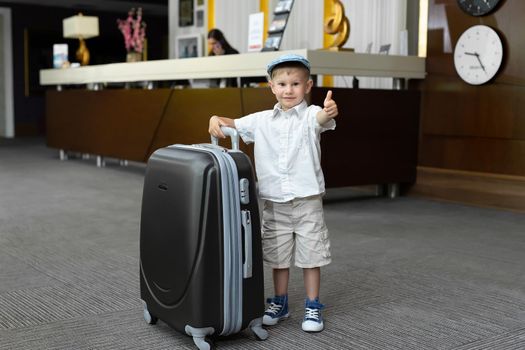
[(287, 58)]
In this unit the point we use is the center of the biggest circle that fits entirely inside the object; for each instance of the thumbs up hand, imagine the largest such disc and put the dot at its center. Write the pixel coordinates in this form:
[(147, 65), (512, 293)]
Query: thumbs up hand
[(328, 97), (329, 110), (330, 107)]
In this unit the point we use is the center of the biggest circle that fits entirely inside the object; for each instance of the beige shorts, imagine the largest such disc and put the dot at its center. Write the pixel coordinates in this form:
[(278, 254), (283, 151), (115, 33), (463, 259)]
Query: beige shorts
[(297, 224)]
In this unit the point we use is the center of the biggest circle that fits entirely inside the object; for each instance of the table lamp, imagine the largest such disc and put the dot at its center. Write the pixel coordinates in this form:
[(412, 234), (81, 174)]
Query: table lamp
[(81, 27)]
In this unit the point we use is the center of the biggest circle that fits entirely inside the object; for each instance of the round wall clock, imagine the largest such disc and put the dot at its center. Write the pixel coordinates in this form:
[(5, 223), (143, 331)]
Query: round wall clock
[(478, 54), (477, 7)]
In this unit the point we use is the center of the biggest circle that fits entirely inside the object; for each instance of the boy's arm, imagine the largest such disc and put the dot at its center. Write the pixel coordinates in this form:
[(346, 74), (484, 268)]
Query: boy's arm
[(215, 125), (329, 111)]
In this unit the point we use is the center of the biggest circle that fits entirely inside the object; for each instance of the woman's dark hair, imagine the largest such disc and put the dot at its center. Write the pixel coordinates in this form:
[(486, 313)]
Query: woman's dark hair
[(219, 36)]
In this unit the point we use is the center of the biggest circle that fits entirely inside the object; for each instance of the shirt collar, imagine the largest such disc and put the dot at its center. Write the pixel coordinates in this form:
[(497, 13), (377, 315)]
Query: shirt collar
[(298, 108)]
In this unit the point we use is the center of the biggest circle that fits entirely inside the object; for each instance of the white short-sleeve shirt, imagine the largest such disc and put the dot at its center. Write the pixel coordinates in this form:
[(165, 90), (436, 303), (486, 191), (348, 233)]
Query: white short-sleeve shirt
[(287, 151)]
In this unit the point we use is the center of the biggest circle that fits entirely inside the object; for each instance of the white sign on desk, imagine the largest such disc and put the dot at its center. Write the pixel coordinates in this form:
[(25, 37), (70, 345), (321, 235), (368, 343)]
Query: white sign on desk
[(60, 55), (255, 31)]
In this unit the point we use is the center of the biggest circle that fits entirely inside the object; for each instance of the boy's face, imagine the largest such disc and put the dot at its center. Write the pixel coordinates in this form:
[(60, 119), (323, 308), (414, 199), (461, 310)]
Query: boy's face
[(289, 85)]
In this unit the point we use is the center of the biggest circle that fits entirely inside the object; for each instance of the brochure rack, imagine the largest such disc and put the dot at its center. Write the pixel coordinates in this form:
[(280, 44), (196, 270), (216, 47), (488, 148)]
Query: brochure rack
[(278, 25)]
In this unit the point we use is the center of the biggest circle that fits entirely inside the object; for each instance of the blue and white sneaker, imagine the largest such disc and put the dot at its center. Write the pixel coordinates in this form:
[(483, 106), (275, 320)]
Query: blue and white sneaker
[(276, 311), (313, 320)]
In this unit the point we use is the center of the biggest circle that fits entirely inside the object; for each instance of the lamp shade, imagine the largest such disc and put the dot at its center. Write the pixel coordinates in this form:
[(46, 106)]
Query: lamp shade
[(80, 26)]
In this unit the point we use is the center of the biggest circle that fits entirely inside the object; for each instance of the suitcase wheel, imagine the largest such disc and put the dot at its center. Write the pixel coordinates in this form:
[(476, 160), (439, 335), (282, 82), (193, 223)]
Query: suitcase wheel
[(149, 318), (204, 343), (260, 333)]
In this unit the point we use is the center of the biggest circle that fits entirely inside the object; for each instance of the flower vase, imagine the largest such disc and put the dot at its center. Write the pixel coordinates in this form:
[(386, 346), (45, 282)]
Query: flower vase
[(134, 56)]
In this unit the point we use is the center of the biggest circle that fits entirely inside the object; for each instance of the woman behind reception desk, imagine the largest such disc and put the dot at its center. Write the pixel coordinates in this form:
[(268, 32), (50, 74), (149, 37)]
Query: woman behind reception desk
[(218, 45)]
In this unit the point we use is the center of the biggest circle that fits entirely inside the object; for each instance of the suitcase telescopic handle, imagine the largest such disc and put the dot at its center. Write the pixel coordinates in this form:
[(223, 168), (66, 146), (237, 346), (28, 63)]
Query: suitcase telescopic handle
[(232, 133)]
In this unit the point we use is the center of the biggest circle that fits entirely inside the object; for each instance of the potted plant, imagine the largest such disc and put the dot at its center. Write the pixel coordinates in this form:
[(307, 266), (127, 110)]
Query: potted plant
[(133, 29)]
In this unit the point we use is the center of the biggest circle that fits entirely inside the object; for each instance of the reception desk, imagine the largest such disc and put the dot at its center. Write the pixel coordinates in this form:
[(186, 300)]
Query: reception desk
[(242, 65), (375, 141)]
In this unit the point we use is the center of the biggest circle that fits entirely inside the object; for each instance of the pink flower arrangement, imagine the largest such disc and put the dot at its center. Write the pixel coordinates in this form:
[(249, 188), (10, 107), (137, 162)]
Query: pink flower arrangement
[(134, 30)]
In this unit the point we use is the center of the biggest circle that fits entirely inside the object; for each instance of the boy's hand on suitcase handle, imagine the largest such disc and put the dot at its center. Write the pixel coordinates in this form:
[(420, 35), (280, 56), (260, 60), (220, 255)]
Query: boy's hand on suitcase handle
[(215, 126)]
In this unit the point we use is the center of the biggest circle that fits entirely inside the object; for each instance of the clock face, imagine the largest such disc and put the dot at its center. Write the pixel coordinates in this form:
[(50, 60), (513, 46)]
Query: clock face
[(478, 54), (477, 7)]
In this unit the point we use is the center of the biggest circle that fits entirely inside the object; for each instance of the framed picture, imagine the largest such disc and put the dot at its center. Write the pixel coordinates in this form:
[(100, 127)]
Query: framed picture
[(200, 18), (273, 42), (283, 6), (185, 13), (189, 46), (200, 2), (278, 23)]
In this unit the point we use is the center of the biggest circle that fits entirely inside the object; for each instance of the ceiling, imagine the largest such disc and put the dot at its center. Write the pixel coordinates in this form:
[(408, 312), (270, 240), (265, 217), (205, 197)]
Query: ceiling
[(153, 7)]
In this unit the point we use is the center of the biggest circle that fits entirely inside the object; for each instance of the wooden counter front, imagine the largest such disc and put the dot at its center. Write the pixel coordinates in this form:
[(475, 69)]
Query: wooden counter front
[(375, 141)]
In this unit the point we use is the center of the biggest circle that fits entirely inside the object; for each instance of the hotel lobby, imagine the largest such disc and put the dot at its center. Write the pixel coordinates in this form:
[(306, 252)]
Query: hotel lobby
[(424, 172)]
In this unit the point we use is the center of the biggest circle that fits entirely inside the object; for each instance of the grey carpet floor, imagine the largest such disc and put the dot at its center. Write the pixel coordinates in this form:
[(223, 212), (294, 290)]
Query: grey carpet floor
[(407, 273)]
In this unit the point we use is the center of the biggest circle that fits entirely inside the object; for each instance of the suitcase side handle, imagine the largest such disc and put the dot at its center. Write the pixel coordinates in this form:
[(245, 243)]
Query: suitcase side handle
[(248, 254), (232, 133)]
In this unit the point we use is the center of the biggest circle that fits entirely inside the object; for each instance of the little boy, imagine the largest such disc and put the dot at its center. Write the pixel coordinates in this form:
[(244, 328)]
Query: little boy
[(288, 162)]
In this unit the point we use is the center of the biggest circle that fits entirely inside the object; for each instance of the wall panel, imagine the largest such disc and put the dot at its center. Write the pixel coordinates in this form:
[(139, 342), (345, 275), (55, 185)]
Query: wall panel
[(475, 128)]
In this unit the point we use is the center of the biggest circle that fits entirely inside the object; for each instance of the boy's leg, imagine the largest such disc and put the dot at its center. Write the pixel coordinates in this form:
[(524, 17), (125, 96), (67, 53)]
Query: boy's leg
[(312, 282), (313, 321), (278, 245), (278, 308), (280, 281), (312, 252)]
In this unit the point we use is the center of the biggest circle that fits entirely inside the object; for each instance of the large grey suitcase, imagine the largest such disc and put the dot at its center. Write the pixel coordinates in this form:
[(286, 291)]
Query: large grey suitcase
[(200, 248)]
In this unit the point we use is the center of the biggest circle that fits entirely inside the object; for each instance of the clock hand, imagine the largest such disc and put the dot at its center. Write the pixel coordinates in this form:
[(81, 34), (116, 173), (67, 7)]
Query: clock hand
[(479, 60)]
